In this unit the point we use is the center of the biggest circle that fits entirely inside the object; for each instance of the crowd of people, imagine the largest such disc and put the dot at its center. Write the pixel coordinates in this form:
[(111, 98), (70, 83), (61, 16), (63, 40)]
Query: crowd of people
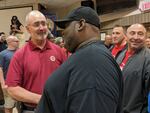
[(77, 73)]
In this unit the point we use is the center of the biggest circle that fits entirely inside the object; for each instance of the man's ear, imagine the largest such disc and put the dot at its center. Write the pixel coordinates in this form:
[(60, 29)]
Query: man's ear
[(80, 25), (27, 28)]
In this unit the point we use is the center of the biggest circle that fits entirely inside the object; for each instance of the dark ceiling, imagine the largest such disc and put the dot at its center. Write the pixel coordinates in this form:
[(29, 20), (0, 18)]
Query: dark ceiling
[(109, 6)]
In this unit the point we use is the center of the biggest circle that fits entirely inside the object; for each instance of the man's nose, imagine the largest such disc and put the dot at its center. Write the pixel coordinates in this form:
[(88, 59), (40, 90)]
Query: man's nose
[(136, 36)]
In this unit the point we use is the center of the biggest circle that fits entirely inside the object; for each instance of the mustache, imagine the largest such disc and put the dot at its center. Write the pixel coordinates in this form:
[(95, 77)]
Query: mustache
[(42, 33)]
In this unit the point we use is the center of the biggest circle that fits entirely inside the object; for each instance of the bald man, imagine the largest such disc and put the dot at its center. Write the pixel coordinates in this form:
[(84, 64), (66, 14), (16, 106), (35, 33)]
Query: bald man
[(32, 64), (108, 41), (135, 65), (5, 57)]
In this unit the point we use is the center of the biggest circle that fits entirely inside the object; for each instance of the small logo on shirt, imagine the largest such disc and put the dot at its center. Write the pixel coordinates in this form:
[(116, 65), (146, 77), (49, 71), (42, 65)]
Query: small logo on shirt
[(52, 58)]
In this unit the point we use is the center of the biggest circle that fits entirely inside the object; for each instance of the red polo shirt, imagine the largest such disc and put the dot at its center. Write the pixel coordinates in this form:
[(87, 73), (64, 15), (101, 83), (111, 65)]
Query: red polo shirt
[(125, 59), (31, 66), (117, 49)]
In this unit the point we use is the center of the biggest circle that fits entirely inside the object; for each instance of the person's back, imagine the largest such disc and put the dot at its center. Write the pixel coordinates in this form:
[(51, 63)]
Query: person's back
[(90, 81)]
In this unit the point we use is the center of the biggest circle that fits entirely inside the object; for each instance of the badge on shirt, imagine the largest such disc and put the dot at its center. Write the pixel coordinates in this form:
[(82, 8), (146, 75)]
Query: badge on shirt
[(52, 58)]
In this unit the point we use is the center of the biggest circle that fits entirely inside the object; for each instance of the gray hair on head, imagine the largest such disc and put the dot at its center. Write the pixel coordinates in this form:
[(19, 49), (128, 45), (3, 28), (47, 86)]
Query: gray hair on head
[(32, 13)]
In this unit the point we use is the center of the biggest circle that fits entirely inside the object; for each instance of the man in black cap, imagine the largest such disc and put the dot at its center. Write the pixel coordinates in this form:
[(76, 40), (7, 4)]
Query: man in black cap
[(90, 81)]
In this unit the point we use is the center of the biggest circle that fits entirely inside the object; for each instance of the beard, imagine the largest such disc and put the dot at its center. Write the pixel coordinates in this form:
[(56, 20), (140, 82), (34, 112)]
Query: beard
[(71, 44), (42, 35)]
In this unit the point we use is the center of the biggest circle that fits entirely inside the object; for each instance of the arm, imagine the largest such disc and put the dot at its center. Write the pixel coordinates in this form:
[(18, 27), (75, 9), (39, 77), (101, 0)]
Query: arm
[(14, 80), (2, 81), (23, 95)]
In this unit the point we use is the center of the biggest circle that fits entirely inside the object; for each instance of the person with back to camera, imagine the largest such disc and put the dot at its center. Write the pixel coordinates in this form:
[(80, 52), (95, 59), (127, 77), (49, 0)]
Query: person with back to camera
[(90, 81), (32, 64)]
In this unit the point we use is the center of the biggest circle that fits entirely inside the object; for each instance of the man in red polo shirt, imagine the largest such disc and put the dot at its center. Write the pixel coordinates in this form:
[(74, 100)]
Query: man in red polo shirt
[(119, 40), (31, 65)]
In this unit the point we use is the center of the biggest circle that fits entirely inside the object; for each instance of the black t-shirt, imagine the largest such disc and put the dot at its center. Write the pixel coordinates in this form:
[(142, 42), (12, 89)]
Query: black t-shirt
[(3, 46), (90, 81)]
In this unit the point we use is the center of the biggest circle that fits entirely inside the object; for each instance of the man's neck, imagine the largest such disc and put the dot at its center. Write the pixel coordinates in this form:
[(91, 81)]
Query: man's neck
[(11, 48), (89, 41), (39, 43), (121, 44), (134, 50)]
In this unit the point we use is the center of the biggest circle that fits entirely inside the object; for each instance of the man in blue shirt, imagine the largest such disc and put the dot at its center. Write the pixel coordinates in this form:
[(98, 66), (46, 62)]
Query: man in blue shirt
[(5, 57)]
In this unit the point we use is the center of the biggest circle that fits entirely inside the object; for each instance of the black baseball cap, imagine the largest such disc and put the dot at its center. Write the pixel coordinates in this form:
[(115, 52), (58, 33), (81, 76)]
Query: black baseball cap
[(79, 13)]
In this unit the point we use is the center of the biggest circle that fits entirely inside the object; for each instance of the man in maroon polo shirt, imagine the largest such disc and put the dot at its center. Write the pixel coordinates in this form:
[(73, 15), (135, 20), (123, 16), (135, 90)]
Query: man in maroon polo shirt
[(32, 64)]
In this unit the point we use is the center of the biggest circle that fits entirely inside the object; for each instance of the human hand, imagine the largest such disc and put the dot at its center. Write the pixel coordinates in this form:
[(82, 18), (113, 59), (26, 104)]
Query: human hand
[(4, 86)]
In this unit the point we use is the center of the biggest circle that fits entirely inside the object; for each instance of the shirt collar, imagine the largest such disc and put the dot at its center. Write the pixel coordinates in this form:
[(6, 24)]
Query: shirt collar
[(87, 42), (34, 47)]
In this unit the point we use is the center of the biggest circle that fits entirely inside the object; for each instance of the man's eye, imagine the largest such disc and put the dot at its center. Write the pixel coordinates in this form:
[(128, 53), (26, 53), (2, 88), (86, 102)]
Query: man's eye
[(141, 33), (36, 24), (132, 33)]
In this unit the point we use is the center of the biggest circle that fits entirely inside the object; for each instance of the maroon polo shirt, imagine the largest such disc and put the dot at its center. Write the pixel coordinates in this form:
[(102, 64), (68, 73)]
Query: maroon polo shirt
[(30, 67)]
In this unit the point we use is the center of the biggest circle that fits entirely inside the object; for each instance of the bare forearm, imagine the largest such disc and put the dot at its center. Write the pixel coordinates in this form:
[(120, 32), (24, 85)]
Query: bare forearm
[(1, 76), (23, 95)]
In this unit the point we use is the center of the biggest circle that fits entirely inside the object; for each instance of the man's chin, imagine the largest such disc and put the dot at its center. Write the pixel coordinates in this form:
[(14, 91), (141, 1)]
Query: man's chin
[(42, 37), (136, 47)]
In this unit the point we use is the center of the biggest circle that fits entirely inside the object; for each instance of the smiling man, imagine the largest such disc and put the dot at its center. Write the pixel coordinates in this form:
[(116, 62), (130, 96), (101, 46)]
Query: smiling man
[(31, 65), (135, 65)]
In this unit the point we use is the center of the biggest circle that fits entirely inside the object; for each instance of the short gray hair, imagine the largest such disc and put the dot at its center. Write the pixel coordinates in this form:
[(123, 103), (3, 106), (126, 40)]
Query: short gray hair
[(31, 13)]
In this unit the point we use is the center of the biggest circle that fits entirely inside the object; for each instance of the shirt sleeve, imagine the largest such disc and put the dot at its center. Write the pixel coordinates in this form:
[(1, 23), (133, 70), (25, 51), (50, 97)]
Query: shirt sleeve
[(15, 72), (1, 60)]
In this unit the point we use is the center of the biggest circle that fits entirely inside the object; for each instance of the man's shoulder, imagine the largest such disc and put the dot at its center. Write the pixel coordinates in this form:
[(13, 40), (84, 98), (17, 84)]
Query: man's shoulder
[(4, 52), (92, 53), (21, 51), (146, 53)]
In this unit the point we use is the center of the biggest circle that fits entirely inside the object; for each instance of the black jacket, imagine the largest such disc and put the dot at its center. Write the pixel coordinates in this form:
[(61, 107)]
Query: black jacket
[(136, 75)]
